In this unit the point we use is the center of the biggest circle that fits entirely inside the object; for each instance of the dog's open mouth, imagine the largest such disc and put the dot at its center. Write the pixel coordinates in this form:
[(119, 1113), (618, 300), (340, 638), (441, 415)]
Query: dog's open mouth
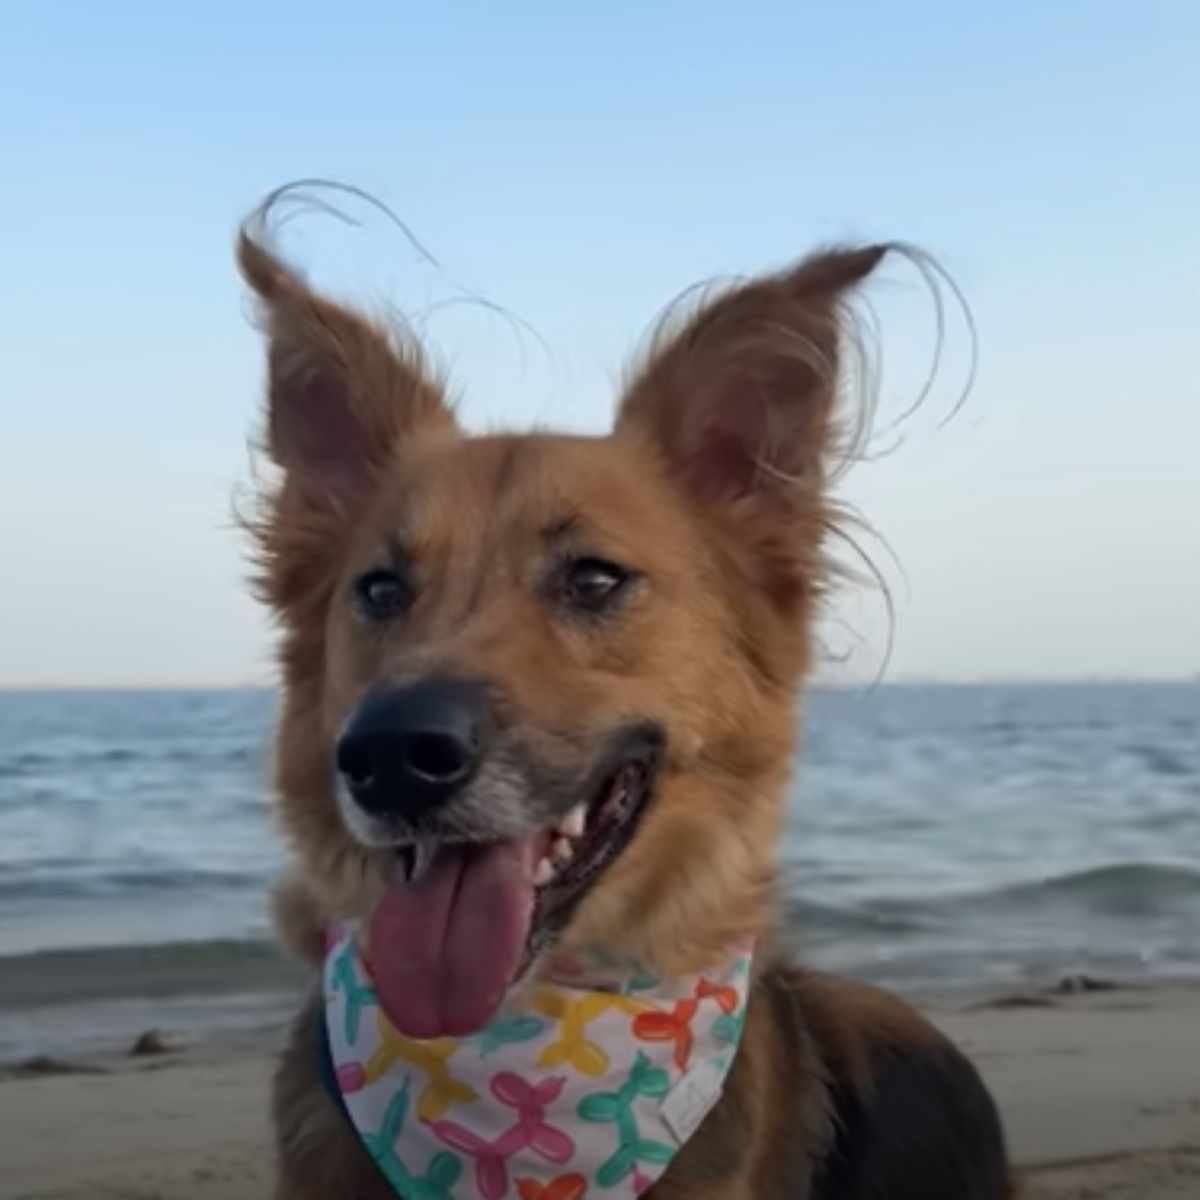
[(464, 920)]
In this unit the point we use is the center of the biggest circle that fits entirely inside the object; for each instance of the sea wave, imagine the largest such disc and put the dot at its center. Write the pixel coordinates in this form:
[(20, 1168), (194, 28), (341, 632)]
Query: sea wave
[(933, 926), (848, 920), (1107, 886), (73, 881), (223, 966), (1144, 881), (1111, 889), (34, 762)]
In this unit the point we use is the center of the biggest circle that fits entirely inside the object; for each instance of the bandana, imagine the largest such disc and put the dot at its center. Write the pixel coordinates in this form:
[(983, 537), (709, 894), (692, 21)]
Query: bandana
[(573, 1090)]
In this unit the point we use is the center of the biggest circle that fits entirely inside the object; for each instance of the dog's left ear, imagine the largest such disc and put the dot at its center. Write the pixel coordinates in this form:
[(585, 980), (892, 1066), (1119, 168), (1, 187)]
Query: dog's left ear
[(739, 401)]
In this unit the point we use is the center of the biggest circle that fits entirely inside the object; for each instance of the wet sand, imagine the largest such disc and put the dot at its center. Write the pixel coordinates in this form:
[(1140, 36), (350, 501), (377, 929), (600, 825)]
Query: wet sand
[(1100, 1093)]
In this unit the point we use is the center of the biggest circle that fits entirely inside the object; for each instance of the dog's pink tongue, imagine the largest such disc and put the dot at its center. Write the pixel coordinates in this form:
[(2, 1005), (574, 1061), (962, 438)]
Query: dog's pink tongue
[(443, 951)]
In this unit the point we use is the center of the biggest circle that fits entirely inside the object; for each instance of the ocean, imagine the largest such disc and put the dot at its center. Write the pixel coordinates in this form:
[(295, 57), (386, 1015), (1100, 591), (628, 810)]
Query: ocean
[(940, 838)]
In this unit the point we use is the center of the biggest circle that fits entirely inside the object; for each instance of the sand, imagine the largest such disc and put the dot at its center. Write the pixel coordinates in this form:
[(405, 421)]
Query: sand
[(1100, 1092)]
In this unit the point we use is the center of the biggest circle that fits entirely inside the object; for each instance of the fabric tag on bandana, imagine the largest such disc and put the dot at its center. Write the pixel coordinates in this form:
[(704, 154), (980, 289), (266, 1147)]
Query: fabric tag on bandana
[(689, 1101)]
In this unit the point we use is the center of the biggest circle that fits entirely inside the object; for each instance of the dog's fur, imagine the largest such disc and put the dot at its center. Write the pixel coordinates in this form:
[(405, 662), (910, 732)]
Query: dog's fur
[(712, 490)]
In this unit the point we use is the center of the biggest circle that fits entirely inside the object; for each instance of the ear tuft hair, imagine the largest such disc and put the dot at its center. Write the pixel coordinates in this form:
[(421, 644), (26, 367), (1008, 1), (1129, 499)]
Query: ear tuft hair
[(738, 399)]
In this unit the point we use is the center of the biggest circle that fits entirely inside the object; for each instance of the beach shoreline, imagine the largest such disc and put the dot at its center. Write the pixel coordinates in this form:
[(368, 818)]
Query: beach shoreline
[(1099, 1086), (94, 1002), (986, 841)]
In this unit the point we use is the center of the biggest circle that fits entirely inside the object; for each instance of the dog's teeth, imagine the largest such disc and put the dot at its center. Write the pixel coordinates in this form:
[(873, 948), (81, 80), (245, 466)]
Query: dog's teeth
[(412, 861), (574, 822), (543, 873), (423, 856), (562, 850), (406, 863)]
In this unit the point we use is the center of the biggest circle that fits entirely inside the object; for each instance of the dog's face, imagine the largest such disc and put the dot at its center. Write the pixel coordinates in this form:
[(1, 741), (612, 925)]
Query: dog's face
[(539, 691)]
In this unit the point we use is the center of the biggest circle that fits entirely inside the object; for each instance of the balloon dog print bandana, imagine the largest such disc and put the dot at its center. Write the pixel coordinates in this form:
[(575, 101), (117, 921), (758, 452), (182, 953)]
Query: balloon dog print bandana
[(573, 1091)]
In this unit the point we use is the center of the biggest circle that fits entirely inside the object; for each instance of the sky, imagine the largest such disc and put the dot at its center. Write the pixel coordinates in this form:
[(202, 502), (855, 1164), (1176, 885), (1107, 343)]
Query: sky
[(579, 166)]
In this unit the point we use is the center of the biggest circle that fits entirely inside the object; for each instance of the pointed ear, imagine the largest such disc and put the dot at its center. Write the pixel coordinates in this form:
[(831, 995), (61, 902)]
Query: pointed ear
[(739, 400), (342, 393)]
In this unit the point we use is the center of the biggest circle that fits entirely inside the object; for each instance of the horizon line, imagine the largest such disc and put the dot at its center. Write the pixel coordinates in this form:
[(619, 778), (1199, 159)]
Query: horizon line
[(913, 680)]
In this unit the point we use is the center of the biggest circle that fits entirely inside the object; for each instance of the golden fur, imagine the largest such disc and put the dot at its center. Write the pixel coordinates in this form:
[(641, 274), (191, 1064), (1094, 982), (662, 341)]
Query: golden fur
[(713, 485)]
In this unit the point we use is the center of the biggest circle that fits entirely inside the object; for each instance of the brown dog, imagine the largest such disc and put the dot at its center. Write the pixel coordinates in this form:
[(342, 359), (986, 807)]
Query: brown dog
[(488, 640)]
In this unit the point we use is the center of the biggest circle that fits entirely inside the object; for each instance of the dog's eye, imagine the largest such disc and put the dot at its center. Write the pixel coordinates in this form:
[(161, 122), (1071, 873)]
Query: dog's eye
[(382, 595), (591, 583)]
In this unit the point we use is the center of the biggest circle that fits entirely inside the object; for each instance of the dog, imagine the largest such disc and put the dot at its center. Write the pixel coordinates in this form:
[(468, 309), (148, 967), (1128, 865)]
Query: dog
[(539, 716)]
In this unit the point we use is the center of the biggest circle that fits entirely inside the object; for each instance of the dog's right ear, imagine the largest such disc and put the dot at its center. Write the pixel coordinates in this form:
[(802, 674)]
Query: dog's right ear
[(342, 394)]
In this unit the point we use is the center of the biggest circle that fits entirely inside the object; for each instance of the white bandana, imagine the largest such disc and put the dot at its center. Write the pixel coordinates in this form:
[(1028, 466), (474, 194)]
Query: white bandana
[(571, 1091)]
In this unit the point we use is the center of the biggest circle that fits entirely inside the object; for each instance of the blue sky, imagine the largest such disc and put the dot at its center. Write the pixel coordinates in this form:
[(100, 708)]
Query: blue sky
[(580, 168)]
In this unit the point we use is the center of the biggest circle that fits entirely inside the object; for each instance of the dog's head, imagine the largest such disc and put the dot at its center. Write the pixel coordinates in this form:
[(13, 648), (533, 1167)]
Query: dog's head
[(538, 690)]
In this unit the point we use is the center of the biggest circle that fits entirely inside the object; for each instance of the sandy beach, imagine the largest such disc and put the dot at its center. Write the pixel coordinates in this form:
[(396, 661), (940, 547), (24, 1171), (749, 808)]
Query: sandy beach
[(1100, 1092)]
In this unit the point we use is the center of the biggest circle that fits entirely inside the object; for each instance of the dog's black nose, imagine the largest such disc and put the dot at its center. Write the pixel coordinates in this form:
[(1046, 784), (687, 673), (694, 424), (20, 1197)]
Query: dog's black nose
[(408, 750)]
